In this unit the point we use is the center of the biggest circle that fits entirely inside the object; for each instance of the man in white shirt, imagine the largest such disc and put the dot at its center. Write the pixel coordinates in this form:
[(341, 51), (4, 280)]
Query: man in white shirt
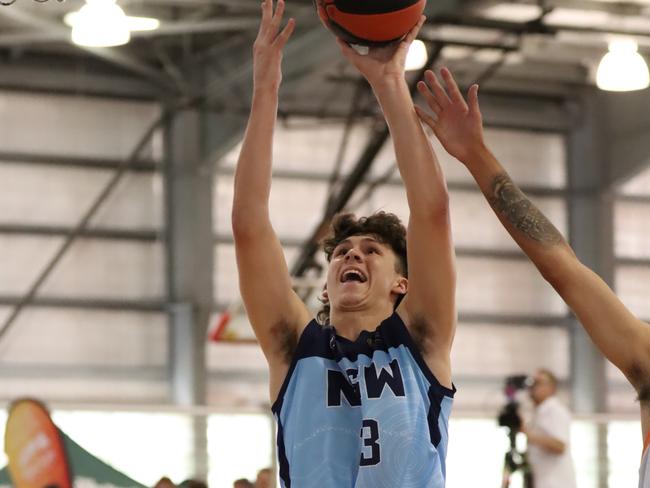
[(548, 435)]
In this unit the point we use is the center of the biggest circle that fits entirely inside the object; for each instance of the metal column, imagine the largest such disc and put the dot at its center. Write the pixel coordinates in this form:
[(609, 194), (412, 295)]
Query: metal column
[(591, 235), (190, 268)]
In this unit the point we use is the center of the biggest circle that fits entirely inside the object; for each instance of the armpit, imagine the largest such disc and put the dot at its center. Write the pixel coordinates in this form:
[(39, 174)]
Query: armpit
[(421, 333), (644, 393), (286, 339), (640, 379)]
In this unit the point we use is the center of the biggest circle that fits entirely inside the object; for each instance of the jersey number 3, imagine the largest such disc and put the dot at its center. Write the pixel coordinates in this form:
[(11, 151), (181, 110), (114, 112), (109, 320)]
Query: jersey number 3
[(370, 452)]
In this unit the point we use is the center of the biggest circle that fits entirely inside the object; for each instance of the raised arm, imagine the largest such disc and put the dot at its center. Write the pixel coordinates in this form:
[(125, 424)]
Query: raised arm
[(621, 337), (274, 310), (429, 307)]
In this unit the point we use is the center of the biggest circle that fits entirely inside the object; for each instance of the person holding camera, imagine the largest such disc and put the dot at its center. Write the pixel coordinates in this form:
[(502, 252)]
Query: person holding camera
[(548, 435)]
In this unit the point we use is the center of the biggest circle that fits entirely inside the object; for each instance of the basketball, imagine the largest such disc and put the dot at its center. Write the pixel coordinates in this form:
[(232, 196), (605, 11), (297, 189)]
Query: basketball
[(370, 22)]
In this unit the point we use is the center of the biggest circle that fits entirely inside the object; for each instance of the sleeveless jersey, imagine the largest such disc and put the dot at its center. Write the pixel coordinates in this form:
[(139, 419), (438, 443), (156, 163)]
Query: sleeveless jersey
[(361, 414), (644, 472)]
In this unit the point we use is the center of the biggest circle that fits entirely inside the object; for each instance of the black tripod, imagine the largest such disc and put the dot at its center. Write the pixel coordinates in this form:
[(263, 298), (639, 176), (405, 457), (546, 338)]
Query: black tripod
[(515, 461)]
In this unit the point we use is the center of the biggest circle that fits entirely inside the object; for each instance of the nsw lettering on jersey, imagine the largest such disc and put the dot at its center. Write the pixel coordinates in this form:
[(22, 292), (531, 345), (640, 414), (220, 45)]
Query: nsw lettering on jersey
[(373, 383)]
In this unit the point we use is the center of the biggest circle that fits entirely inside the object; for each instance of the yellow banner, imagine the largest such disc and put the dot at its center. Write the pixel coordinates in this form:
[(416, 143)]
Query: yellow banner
[(36, 453)]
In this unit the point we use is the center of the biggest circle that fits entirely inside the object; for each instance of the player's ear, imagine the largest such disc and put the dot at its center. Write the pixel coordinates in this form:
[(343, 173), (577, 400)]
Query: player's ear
[(324, 297), (401, 285)]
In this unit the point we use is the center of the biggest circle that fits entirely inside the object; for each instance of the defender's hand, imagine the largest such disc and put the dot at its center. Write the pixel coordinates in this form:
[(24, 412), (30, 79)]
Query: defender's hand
[(458, 125), (267, 49), (382, 63)]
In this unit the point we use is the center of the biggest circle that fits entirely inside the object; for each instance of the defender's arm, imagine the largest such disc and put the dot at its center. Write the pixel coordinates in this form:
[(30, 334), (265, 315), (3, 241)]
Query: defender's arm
[(621, 337)]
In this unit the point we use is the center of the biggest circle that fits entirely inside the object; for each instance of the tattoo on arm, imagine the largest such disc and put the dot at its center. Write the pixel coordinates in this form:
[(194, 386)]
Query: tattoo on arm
[(511, 203)]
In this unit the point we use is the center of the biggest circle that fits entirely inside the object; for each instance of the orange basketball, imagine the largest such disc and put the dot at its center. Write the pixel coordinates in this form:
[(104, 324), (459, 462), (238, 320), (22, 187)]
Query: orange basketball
[(370, 22)]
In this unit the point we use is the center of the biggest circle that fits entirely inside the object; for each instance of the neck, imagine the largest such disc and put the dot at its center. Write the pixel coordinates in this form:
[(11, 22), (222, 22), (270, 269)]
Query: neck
[(350, 323)]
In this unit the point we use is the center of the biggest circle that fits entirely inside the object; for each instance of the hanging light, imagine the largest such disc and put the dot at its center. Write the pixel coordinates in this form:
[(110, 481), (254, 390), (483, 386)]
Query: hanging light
[(102, 23), (99, 23), (622, 68), (417, 56)]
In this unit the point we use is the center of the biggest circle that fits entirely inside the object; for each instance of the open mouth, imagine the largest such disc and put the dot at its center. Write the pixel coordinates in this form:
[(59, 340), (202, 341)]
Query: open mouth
[(353, 275)]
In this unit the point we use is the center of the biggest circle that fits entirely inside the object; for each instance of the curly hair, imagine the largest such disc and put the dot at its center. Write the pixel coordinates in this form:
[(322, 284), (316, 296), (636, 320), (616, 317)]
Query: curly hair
[(386, 227)]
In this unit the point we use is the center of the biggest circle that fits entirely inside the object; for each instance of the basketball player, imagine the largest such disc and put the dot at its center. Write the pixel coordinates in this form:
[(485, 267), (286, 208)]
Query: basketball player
[(361, 400), (621, 337)]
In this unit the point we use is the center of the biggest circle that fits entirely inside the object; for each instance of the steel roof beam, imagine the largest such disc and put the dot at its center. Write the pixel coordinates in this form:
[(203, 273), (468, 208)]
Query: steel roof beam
[(111, 55)]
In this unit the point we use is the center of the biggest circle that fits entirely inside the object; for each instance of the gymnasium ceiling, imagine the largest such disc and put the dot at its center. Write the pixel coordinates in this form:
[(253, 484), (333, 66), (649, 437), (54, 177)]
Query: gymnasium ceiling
[(202, 50)]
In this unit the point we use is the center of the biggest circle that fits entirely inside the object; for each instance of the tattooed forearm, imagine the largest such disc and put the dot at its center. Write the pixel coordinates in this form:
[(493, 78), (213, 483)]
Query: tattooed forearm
[(511, 203)]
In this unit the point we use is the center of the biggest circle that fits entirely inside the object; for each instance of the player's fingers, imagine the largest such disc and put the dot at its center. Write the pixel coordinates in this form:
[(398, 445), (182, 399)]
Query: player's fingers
[(413, 33), (429, 97), (438, 91), (452, 87), (276, 20), (472, 99), (284, 36)]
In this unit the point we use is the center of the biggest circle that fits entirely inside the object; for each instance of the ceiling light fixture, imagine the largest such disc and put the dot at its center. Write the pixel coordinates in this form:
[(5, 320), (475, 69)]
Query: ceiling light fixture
[(622, 68), (417, 56), (103, 23)]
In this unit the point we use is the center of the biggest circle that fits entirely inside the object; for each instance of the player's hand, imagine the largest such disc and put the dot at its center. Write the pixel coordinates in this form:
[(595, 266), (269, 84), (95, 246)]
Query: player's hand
[(457, 125), (267, 49), (382, 63)]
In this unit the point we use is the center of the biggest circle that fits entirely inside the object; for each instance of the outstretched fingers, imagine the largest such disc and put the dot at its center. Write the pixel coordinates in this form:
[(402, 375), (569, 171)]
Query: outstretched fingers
[(284, 36), (429, 97), (438, 91), (472, 99), (452, 88), (267, 14), (276, 20), (271, 20)]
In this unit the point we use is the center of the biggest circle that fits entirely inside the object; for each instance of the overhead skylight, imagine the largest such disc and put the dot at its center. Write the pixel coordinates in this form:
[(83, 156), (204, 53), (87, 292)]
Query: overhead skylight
[(512, 12)]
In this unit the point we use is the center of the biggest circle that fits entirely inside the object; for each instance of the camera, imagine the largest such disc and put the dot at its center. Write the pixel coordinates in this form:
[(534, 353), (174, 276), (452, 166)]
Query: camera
[(509, 414), (509, 417)]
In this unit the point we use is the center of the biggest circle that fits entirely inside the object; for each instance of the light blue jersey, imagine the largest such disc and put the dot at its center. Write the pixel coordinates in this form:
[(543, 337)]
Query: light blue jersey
[(361, 414), (644, 471)]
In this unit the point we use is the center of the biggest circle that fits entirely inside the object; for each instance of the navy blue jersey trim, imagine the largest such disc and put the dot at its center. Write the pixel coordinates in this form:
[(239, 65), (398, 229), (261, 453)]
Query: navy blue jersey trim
[(282, 456), (435, 400), (322, 341)]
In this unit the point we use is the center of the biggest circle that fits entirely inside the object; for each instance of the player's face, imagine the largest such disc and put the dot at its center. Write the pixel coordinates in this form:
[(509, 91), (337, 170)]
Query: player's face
[(362, 273)]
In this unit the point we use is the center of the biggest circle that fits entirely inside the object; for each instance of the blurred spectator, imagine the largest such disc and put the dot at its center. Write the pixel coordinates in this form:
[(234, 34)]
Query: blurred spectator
[(243, 483), (549, 451), (164, 482), (264, 478), (192, 483)]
